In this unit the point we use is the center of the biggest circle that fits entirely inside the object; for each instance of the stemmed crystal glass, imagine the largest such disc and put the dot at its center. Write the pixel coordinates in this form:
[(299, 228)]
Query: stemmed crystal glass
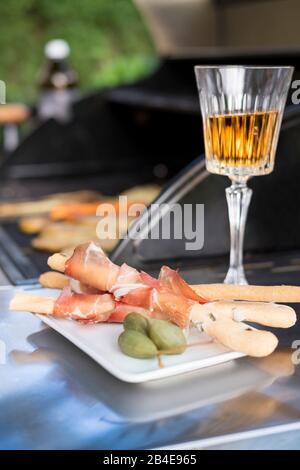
[(242, 110)]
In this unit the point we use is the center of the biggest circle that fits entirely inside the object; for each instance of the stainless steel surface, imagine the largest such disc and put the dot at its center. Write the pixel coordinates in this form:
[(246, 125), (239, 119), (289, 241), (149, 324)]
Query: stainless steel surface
[(52, 396), (285, 440)]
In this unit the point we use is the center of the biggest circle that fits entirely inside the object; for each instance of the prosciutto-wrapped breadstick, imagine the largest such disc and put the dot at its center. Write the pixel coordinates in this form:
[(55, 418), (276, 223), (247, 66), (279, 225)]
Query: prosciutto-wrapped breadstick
[(264, 313), (85, 308), (88, 308), (267, 313), (90, 266), (170, 294)]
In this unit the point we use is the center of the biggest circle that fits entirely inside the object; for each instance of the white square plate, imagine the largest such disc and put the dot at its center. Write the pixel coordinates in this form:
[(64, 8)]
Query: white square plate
[(101, 343)]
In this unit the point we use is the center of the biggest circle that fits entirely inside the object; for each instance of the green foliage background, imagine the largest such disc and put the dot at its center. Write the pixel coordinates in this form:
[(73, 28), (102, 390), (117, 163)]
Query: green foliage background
[(108, 40)]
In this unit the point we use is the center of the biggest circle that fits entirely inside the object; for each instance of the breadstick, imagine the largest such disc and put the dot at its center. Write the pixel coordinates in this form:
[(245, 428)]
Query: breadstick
[(239, 337), (285, 294), (32, 303), (58, 261), (268, 314), (54, 280)]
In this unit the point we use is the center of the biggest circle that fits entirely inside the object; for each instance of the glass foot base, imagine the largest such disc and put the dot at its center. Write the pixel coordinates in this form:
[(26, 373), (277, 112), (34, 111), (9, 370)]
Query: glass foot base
[(235, 276)]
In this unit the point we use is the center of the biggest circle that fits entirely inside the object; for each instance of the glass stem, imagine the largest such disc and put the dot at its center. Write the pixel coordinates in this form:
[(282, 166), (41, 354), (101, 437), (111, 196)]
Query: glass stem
[(238, 197)]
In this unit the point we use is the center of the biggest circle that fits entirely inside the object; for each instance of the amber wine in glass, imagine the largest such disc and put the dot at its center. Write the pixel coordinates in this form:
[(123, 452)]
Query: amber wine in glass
[(242, 110), (237, 140)]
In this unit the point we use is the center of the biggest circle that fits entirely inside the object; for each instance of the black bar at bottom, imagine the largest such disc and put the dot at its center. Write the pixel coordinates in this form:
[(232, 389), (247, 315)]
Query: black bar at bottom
[(137, 458)]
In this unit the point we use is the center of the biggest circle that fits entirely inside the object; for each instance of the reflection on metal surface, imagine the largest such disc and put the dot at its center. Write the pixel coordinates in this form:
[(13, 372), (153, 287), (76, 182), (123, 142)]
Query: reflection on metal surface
[(53, 396), (37, 356), (278, 364)]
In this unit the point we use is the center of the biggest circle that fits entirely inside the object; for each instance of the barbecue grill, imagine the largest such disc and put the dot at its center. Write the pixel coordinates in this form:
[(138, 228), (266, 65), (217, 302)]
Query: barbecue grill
[(123, 136)]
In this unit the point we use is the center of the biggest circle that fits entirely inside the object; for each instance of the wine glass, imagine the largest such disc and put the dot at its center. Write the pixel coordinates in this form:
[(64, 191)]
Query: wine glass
[(242, 109)]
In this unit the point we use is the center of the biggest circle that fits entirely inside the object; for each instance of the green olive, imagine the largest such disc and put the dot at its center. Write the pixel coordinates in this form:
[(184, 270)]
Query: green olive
[(135, 321), (136, 344), (168, 337)]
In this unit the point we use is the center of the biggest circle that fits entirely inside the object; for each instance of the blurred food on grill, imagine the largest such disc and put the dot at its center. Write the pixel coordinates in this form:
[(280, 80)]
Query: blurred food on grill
[(139, 194), (33, 224), (63, 221), (45, 204)]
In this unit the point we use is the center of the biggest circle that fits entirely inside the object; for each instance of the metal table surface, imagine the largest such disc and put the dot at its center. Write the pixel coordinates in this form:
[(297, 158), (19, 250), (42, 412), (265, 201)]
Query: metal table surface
[(53, 396)]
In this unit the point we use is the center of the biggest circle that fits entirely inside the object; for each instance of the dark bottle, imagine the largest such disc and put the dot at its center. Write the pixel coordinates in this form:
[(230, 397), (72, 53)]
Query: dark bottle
[(58, 83)]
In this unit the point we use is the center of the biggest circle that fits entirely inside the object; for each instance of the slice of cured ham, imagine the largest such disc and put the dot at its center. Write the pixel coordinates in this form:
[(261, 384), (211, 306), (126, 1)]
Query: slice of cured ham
[(87, 308)]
